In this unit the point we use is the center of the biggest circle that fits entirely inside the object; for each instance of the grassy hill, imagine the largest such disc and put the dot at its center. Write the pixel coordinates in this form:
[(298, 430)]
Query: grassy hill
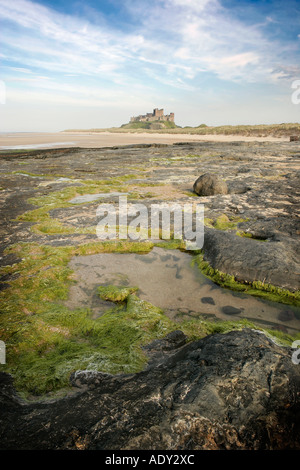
[(154, 125), (163, 127)]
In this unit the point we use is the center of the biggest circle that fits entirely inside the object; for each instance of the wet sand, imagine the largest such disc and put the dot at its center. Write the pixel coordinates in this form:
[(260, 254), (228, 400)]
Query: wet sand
[(23, 140)]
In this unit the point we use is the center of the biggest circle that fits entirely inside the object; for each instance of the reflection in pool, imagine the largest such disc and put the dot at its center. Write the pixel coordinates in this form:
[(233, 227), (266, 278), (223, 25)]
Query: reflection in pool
[(166, 279)]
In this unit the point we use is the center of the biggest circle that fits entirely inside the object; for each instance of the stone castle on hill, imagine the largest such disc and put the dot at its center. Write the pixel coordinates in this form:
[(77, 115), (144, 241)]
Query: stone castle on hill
[(157, 115)]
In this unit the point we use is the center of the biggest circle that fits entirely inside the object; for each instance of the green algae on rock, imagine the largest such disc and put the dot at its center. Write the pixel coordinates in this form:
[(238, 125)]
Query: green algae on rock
[(114, 293), (256, 288)]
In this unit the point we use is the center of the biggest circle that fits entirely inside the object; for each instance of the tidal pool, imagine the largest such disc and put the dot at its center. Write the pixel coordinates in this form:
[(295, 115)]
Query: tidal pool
[(167, 279), (35, 146)]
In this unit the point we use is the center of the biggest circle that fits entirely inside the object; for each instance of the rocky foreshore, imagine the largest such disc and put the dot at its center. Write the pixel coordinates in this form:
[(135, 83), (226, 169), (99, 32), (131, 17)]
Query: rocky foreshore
[(235, 390), (261, 201)]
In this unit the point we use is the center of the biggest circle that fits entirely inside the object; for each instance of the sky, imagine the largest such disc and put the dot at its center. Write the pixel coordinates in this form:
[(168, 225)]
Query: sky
[(78, 65)]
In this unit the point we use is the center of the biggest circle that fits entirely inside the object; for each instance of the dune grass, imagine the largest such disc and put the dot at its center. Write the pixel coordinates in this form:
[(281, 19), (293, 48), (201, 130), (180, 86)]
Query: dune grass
[(259, 130)]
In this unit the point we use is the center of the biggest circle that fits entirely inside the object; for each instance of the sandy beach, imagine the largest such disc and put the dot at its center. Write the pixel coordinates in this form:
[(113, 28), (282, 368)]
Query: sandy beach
[(23, 140)]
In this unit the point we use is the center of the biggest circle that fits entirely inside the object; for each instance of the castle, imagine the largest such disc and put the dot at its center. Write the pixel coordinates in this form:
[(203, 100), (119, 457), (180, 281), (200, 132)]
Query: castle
[(157, 115)]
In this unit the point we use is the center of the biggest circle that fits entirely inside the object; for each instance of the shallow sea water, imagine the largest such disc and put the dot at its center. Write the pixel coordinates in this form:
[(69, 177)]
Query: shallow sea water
[(35, 146), (166, 279)]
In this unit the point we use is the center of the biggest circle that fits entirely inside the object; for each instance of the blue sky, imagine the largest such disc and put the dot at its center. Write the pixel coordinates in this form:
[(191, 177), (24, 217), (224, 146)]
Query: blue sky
[(93, 64)]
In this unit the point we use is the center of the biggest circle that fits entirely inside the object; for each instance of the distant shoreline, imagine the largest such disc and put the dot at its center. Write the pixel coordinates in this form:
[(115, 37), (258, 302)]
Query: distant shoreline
[(93, 139)]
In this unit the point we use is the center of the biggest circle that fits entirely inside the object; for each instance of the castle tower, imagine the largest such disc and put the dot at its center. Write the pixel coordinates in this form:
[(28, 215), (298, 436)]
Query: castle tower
[(158, 114)]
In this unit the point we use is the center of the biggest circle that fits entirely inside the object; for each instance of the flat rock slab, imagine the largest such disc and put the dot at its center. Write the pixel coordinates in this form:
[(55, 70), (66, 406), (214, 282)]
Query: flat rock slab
[(274, 262), (94, 197)]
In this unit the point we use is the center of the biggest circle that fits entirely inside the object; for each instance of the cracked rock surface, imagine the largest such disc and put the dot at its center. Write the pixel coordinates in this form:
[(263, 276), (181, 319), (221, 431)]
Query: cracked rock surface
[(226, 391)]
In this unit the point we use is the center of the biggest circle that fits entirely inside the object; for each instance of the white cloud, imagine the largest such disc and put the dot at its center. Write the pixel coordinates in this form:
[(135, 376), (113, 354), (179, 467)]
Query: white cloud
[(195, 5), (240, 60), (84, 98), (20, 69)]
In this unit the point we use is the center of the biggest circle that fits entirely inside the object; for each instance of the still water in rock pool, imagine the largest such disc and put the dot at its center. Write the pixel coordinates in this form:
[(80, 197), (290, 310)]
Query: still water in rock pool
[(167, 279)]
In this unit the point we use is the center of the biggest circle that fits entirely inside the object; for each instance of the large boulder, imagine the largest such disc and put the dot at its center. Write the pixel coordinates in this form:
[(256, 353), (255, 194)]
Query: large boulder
[(237, 390), (209, 184)]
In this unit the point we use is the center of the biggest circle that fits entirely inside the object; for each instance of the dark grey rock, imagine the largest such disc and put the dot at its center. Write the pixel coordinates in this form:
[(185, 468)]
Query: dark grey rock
[(209, 185), (286, 315), (208, 300), (229, 310), (226, 391)]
